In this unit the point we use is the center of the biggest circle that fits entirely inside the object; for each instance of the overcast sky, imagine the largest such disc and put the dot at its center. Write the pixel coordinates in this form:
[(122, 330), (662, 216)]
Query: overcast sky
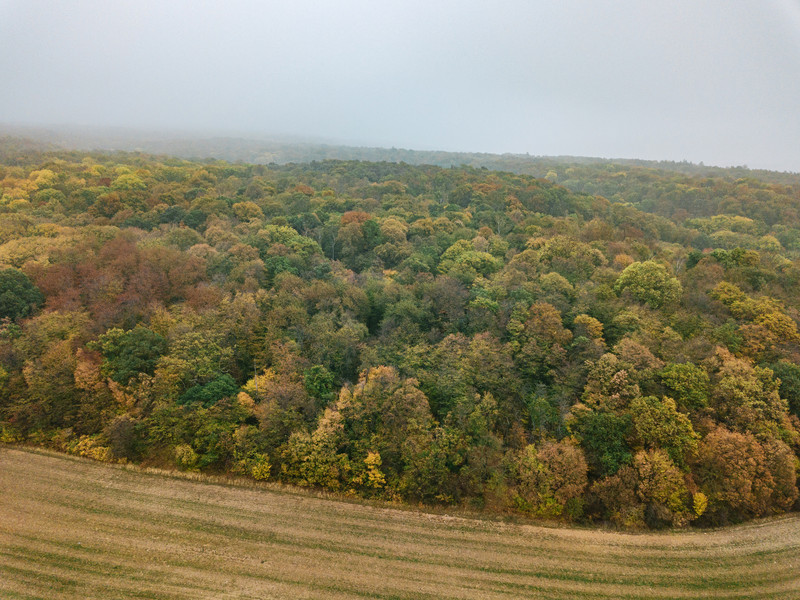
[(703, 80)]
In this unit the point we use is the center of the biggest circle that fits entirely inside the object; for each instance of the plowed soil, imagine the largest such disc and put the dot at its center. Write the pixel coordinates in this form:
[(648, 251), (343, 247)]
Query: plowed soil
[(76, 529)]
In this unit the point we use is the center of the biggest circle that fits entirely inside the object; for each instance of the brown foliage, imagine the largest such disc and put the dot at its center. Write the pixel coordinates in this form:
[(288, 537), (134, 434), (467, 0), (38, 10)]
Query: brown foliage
[(743, 477)]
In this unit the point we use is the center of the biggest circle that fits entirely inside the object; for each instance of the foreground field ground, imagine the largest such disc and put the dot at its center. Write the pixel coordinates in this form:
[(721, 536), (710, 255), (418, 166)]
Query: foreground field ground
[(70, 528)]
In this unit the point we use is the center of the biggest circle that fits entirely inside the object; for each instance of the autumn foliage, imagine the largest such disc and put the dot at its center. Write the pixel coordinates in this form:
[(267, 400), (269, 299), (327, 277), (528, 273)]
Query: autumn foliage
[(448, 336)]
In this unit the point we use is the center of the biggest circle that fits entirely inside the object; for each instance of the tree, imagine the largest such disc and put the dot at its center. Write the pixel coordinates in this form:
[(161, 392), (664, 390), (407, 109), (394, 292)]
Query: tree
[(540, 342), (604, 438), (789, 375), (745, 397), (551, 480), (381, 412), (370, 434), (650, 491), (53, 397), (610, 385), (659, 425), (459, 367), (569, 257), (319, 382), (18, 295), (194, 358), (689, 384), (738, 476), (475, 452), (210, 393), (766, 327), (128, 353), (649, 282)]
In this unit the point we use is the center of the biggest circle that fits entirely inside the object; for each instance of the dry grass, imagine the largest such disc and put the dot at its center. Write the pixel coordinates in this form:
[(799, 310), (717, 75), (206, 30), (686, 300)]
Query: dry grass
[(71, 528)]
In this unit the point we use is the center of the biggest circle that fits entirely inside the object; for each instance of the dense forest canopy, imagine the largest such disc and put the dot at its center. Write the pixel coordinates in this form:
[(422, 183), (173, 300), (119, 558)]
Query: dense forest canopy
[(606, 342)]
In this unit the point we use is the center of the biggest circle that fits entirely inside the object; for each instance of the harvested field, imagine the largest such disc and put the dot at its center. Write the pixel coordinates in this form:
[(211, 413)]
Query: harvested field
[(71, 528)]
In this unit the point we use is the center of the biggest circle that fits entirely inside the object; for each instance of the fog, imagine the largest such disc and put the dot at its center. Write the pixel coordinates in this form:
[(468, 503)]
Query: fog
[(714, 81)]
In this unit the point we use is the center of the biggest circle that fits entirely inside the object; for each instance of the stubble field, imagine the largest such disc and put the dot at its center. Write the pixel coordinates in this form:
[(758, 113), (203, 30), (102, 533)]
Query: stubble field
[(71, 528)]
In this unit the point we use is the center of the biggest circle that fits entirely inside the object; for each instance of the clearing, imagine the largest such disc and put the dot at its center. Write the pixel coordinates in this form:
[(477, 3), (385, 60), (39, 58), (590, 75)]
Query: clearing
[(72, 528)]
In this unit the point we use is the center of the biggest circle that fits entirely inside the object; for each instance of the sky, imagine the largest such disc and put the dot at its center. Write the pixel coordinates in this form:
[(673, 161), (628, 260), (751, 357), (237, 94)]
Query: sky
[(713, 81)]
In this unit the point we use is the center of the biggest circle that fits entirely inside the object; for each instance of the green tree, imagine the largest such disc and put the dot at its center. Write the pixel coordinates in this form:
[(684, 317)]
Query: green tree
[(128, 353), (381, 412), (210, 393), (688, 383), (659, 425), (649, 282), (540, 342), (789, 375), (18, 295), (381, 416), (319, 383), (604, 437)]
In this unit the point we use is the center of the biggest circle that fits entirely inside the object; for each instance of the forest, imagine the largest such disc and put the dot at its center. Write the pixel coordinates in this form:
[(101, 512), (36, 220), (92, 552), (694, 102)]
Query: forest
[(605, 343)]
